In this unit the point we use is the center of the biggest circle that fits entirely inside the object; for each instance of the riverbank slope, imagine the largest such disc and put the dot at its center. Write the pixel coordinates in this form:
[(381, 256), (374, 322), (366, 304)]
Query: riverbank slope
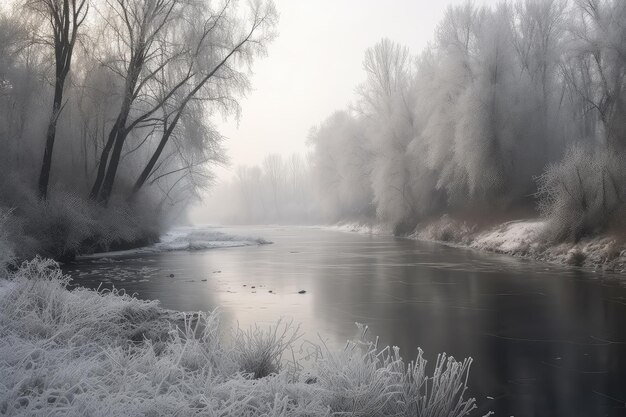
[(521, 238), (526, 238)]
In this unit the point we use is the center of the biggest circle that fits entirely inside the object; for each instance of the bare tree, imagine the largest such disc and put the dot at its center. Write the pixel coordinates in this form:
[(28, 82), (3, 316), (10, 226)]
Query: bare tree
[(209, 66), (167, 64), (137, 27), (387, 65), (65, 18), (596, 69)]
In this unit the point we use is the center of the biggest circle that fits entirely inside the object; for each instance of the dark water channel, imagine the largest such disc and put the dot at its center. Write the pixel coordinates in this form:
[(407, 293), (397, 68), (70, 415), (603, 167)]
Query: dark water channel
[(546, 340)]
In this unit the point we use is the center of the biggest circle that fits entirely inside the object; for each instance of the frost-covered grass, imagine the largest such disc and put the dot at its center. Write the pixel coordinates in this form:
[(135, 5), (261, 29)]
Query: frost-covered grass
[(83, 352), (446, 230)]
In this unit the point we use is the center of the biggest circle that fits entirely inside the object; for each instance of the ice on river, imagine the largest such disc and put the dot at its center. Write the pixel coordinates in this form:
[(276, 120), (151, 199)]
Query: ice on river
[(189, 238)]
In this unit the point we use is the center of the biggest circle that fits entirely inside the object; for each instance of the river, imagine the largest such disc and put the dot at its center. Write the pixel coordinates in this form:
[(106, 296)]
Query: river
[(546, 340)]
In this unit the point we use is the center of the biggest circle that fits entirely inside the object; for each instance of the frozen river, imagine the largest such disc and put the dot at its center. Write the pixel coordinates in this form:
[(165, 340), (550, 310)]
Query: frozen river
[(546, 340)]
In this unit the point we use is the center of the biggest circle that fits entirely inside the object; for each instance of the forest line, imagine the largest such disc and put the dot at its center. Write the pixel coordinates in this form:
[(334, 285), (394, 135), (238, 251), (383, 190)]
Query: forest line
[(513, 110)]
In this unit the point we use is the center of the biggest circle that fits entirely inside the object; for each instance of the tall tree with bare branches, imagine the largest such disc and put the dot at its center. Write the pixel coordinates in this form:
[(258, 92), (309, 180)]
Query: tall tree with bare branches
[(137, 26), (65, 18), (214, 73)]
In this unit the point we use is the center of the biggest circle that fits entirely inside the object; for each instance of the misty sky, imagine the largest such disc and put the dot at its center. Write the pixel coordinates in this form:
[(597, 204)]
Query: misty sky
[(314, 66)]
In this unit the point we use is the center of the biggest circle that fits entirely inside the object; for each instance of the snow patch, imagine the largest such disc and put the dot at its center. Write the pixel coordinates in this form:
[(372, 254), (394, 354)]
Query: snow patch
[(527, 238), (512, 237), (363, 228), (188, 239)]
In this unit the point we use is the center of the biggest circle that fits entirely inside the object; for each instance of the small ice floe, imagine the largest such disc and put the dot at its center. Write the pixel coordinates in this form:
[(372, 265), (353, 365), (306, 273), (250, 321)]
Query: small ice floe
[(105, 261), (185, 239), (198, 238)]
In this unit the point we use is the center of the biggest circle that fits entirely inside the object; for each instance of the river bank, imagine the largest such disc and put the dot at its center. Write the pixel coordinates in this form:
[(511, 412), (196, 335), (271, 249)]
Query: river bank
[(525, 238), (104, 353), (519, 238)]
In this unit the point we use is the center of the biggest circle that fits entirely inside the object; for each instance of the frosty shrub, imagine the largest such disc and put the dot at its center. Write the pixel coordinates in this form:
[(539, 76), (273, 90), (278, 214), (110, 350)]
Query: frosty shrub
[(121, 225), (38, 305), (363, 380), (582, 194), (259, 351), (447, 229), (67, 224), (83, 352), (60, 224)]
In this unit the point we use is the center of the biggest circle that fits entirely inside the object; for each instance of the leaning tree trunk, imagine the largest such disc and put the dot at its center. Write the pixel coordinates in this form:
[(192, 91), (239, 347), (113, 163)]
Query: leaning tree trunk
[(156, 155), (102, 165), (168, 132), (109, 178)]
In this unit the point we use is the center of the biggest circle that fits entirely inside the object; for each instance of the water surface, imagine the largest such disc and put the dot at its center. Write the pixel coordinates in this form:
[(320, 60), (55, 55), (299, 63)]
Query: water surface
[(546, 340)]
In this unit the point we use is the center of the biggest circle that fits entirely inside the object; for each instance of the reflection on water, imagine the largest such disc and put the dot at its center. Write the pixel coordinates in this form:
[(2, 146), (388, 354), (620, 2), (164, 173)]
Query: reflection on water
[(546, 341)]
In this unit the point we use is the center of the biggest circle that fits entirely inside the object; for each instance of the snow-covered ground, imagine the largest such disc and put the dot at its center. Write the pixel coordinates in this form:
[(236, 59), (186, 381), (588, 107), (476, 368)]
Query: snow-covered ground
[(515, 238), (525, 238), (189, 238)]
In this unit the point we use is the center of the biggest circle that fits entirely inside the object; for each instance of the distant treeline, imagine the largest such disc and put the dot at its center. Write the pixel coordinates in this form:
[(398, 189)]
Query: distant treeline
[(511, 108), (106, 108), (279, 190)]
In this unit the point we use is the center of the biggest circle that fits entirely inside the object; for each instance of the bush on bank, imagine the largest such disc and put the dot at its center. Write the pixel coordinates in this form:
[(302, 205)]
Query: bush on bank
[(66, 224)]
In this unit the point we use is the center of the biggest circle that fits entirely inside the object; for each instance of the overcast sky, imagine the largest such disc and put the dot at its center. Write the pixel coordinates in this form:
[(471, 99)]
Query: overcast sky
[(314, 65)]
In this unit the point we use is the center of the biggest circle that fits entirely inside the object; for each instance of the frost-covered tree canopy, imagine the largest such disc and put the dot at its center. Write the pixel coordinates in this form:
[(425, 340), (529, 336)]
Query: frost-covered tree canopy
[(508, 101)]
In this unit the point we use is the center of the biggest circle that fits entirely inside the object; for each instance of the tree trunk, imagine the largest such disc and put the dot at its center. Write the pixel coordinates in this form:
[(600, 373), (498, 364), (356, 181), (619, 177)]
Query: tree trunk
[(151, 163), (65, 19), (104, 159), (103, 185), (157, 153), (109, 178), (44, 175)]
